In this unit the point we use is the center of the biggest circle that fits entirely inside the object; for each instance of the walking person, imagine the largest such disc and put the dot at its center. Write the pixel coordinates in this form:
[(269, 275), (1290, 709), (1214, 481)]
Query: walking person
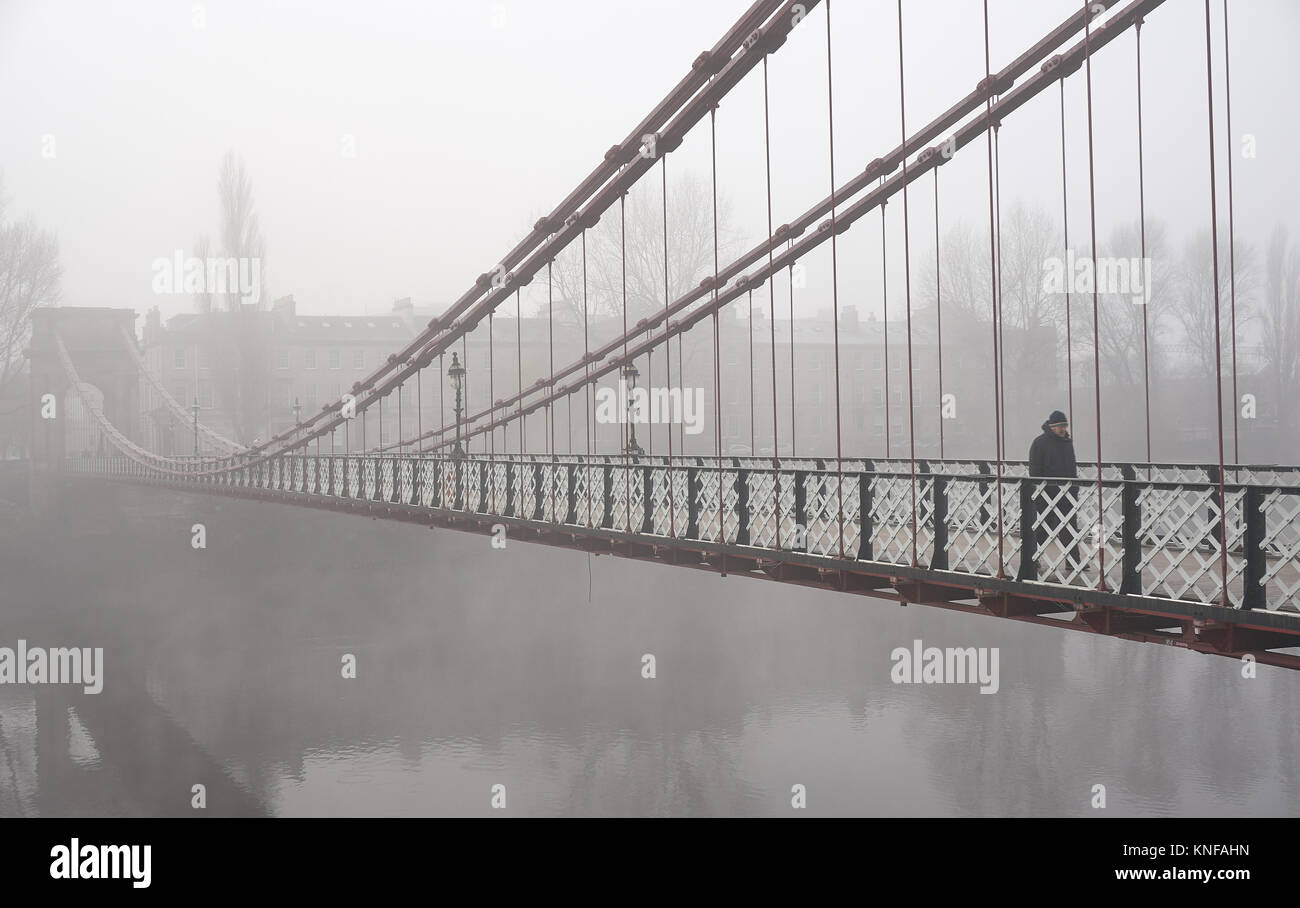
[(1051, 456)]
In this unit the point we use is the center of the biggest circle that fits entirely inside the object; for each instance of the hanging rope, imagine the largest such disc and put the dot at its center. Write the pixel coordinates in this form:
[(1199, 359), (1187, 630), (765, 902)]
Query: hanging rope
[(550, 406), (907, 281), (1065, 229), (1142, 227), (835, 292), (938, 306), (519, 353), (717, 366), (750, 318), (492, 398), (1096, 331), (997, 415), (1002, 337), (586, 368), (771, 298), (884, 298), (622, 258), (1218, 342), (1232, 250), (668, 347)]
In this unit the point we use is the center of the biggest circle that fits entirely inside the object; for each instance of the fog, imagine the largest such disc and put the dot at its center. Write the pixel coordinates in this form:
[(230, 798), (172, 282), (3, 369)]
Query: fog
[(398, 150), (469, 120)]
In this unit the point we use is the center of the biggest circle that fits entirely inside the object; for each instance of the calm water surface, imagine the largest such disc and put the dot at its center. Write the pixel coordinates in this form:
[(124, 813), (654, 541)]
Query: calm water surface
[(523, 668)]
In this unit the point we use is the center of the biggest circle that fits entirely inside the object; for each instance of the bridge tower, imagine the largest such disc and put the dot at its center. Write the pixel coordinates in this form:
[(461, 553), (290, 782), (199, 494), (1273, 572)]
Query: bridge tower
[(93, 338)]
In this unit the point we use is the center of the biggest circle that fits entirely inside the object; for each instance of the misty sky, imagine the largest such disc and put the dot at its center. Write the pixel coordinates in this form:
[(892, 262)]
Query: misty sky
[(470, 120)]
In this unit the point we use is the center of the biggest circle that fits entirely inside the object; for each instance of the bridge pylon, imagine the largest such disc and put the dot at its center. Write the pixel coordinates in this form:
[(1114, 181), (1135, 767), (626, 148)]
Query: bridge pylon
[(93, 339)]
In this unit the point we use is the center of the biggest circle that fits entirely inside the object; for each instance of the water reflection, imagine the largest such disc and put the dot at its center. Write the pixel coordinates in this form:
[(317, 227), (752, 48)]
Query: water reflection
[(478, 667)]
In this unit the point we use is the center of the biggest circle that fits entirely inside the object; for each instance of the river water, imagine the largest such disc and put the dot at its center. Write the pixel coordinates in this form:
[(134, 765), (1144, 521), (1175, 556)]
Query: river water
[(524, 668)]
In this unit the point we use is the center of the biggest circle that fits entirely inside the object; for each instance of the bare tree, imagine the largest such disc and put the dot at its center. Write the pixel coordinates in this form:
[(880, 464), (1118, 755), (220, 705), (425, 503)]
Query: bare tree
[(1033, 316), (1120, 318), (1192, 305), (690, 253), (239, 348), (1280, 314), (29, 278)]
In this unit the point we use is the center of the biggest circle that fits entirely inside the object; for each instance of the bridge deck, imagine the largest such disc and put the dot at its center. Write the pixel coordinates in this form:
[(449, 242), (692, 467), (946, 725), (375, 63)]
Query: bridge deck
[(807, 526)]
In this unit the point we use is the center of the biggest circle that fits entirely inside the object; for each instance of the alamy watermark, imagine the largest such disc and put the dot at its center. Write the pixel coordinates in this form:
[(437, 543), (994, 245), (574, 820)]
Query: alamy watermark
[(217, 276), (58, 665), (75, 861), (651, 405), (954, 665), (1106, 274)]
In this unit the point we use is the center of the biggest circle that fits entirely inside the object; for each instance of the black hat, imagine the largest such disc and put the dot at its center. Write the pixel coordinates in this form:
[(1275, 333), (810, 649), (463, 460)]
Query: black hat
[(1056, 419)]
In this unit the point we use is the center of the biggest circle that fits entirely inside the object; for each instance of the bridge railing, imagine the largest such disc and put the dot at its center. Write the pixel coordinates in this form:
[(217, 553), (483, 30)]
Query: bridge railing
[(1157, 537)]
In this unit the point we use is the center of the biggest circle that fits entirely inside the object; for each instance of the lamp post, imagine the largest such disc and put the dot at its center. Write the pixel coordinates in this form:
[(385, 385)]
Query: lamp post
[(630, 375), (195, 410), (456, 372), (297, 414)]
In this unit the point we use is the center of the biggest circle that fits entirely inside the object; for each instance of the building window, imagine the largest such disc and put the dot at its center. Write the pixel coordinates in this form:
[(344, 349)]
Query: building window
[(282, 358), (205, 395), (205, 359), (335, 359), (179, 361), (283, 392), (359, 358), (309, 358), (182, 394), (309, 397)]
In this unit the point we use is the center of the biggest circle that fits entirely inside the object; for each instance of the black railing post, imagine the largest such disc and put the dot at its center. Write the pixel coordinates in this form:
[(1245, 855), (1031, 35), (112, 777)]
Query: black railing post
[(1212, 531), (1131, 516), (692, 503), (510, 489), (801, 509), (1253, 593), (866, 523), (986, 516), (1028, 532), (742, 507), (647, 506), (458, 464), (939, 512), (539, 502), (417, 464), (571, 493), (482, 487), (607, 497)]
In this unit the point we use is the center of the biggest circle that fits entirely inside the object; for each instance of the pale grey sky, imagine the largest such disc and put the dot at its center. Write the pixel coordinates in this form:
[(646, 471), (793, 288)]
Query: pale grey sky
[(472, 118)]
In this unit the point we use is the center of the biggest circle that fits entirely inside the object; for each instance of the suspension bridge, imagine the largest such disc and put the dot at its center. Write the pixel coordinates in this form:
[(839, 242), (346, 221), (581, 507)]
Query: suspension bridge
[(1204, 556)]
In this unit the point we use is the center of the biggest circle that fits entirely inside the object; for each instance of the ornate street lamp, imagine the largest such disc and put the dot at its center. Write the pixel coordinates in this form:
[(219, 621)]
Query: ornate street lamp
[(456, 372), (630, 375)]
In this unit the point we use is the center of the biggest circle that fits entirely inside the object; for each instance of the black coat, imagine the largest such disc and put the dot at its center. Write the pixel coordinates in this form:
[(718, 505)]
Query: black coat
[(1051, 455)]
